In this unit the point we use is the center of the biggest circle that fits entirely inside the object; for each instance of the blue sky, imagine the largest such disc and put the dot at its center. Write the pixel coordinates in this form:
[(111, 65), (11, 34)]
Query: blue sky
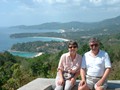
[(34, 12)]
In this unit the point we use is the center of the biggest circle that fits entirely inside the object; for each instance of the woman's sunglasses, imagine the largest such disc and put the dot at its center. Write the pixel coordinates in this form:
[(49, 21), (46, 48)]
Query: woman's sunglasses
[(72, 47)]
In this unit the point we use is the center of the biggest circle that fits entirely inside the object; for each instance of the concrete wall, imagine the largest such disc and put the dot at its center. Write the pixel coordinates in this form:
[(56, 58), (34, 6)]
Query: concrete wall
[(49, 84)]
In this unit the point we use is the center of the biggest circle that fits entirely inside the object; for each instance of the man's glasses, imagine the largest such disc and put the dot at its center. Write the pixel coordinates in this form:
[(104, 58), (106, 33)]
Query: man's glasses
[(72, 47), (96, 45)]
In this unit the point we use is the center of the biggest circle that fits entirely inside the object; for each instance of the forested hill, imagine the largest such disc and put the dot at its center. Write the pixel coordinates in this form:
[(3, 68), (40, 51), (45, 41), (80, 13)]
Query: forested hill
[(17, 71), (105, 24)]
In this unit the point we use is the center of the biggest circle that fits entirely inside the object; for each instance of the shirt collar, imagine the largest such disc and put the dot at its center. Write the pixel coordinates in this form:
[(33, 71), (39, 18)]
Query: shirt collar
[(68, 55), (90, 52)]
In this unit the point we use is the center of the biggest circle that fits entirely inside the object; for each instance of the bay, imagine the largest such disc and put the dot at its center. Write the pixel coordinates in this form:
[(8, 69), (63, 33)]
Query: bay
[(6, 42), (24, 54)]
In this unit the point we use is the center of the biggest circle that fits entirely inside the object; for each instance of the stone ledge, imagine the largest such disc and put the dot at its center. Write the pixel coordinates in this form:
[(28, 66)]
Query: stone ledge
[(49, 84)]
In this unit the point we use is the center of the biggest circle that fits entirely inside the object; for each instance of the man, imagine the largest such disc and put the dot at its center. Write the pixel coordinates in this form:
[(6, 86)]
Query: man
[(95, 68), (68, 68)]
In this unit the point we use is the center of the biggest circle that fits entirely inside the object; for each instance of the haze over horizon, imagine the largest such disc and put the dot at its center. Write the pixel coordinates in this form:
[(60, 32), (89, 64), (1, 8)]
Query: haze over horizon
[(34, 12)]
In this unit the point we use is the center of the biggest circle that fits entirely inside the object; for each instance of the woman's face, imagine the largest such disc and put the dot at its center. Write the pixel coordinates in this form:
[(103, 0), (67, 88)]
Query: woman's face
[(72, 49)]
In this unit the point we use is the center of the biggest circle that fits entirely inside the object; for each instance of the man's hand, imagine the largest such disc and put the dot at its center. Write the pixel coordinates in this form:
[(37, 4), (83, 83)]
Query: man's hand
[(82, 83), (99, 83)]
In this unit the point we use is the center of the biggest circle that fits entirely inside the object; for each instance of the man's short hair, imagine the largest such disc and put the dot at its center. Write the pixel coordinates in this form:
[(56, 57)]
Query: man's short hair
[(93, 40)]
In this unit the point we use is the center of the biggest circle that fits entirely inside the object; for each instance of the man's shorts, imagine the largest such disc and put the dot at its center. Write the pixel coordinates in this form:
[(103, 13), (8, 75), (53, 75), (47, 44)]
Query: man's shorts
[(91, 82)]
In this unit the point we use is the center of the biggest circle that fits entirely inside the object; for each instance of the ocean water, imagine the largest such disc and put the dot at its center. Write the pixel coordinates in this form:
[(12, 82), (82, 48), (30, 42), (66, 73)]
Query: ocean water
[(24, 54), (6, 42)]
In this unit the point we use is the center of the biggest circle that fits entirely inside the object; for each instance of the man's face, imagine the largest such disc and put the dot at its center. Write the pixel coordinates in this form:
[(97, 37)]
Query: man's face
[(94, 46)]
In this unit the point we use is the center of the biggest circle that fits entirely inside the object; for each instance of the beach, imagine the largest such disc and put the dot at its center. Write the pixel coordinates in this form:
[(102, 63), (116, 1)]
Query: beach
[(38, 54)]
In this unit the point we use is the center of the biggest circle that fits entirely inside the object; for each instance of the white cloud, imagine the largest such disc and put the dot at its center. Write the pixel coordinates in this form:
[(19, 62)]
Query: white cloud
[(61, 1), (37, 1), (5, 1), (49, 1), (96, 2), (105, 2), (58, 10), (25, 8), (111, 2), (57, 1)]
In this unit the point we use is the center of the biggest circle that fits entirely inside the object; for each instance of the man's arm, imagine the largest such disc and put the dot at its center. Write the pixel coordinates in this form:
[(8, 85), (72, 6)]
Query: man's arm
[(73, 79), (104, 77), (83, 74), (83, 77)]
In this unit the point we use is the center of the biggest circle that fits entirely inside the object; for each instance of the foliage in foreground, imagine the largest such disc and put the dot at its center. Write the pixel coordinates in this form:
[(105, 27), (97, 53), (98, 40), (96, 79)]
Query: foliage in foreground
[(17, 71)]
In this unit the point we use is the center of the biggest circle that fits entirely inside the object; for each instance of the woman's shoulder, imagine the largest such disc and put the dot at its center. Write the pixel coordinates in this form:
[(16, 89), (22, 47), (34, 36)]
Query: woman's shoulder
[(79, 56), (65, 54)]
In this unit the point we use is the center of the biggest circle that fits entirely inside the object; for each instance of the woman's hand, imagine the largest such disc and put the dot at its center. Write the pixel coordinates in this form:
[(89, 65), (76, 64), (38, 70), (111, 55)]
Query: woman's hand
[(73, 80), (61, 81), (72, 71)]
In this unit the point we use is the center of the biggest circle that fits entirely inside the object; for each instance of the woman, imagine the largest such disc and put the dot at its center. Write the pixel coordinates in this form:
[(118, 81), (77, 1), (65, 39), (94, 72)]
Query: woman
[(68, 68)]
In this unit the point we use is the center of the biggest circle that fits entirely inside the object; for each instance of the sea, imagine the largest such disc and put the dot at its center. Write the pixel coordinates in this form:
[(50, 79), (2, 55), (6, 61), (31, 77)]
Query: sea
[(6, 42)]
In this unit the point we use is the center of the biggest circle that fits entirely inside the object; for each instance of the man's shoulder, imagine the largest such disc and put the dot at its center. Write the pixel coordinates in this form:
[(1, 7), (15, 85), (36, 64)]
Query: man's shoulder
[(88, 52), (103, 52)]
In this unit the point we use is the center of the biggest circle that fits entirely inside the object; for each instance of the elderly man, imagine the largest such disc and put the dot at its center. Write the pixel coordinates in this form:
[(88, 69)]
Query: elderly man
[(95, 68)]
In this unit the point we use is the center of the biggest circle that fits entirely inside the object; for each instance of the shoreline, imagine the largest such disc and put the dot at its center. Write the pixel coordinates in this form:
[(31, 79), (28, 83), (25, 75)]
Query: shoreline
[(20, 51), (39, 54), (50, 37), (25, 54)]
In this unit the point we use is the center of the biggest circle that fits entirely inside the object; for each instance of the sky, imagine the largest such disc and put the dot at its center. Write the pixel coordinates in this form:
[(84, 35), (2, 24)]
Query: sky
[(35, 12)]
